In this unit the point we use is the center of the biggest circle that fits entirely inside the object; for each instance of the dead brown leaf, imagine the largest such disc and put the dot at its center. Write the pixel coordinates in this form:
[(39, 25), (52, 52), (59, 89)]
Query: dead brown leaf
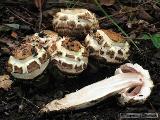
[(107, 2), (5, 82), (144, 15)]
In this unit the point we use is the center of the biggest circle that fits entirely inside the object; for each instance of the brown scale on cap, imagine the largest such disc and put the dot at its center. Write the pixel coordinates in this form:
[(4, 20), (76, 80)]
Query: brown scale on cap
[(71, 24), (85, 53), (47, 33), (9, 67), (68, 66), (23, 51), (100, 41), (33, 66), (119, 59), (44, 58), (78, 59), (106, 45), (101, 52), (54, 61), (85, 16), (51, 49), (98, 38), (84, 66), (63, 18), (59, 53), (18, 70), (70, 56), (113, 35), (78, 68), (71, 45), (120, 52), (110, 53)]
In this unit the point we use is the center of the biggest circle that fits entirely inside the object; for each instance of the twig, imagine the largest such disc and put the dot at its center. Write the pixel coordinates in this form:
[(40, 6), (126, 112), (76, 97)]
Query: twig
[(30, 102), (80, 4), (153, 108), (18, 17), (40, 18), (28, 11), (7, 42), (102, 18)]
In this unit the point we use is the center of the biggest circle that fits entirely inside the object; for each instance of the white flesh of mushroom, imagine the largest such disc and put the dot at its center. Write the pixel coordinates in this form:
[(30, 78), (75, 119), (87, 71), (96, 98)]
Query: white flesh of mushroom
[(140, 93), (96, 92)]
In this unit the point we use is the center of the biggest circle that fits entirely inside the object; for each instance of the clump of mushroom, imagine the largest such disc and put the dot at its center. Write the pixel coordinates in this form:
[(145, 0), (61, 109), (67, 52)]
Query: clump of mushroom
[(27, 61), (137, 94), (127, 76), (108, 45), (71, 56), (74, 22)]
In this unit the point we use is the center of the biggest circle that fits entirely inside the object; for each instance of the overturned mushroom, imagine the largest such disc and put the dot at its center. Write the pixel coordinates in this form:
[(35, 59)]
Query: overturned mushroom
[(96, 92), (71, 56), (108, 45), (137, 94), (74, 22), (27, 61)]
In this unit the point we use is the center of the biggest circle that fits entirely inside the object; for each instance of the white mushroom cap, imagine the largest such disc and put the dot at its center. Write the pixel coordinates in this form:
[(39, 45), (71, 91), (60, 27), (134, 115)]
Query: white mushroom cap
[(74, 22), (45, 38), (107, 45), (71, 57), (139, 94), (27, 61)]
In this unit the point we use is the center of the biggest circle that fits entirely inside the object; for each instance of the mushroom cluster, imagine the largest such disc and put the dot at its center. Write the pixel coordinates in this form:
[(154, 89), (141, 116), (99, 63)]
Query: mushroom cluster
[(70, 55), (64, 48)]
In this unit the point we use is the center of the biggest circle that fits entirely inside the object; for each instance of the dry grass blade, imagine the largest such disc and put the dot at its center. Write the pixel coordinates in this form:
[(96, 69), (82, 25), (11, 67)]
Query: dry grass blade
[(39, 3), (107, 2)]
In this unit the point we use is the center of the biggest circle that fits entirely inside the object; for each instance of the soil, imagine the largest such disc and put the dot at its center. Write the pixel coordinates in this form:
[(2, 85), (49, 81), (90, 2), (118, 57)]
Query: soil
[(24, 100)]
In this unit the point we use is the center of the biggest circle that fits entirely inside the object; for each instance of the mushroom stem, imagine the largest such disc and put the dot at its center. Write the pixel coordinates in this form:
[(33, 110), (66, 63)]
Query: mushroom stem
[(94, 93)]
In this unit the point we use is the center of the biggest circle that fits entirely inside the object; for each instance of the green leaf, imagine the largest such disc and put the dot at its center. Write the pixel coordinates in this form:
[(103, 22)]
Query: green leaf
[(156, 40), (146, 37)]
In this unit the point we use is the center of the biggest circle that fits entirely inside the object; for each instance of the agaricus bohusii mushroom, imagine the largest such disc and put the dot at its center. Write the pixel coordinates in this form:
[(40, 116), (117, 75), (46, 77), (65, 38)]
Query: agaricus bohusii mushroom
[(47, 39), (131, 76), (71, 57), (108, 45), (27, 61), (137, 94), (74, 22)]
